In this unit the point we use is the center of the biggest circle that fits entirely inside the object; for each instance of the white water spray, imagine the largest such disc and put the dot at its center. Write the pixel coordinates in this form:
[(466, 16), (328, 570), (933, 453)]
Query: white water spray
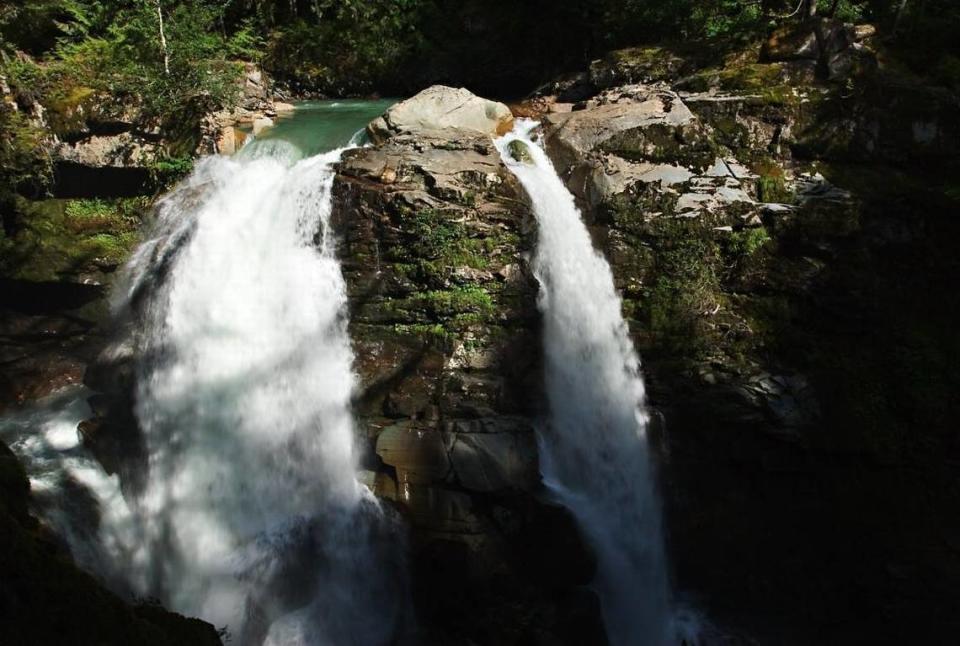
[(593, 451), (68, 487), (251, 516)]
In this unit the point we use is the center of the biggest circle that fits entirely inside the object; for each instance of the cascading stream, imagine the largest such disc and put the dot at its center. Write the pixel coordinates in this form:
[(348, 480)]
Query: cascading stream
[(593, 450), (250, 515)]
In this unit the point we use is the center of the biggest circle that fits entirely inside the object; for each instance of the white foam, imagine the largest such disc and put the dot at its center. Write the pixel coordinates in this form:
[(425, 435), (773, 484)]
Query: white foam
[(593, 452)]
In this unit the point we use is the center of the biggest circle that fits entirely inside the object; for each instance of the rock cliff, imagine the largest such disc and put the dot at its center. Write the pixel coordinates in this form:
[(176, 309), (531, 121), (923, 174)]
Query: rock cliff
[(760, 254), (435, 240)]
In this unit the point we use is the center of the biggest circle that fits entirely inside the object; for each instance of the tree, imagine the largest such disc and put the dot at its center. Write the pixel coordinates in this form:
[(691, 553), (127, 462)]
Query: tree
[(163, 41)]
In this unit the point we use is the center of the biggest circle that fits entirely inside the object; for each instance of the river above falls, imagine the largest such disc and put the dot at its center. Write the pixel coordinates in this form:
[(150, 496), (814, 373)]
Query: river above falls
[(320, 126)]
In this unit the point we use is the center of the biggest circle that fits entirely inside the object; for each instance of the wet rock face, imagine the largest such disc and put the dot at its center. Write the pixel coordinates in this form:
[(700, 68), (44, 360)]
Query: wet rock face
[(47, 335), (434, 240)]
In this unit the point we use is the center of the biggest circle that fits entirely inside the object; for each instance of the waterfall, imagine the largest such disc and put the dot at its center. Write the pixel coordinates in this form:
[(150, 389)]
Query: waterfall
[(250, 515), (593, 449), (253, 516)]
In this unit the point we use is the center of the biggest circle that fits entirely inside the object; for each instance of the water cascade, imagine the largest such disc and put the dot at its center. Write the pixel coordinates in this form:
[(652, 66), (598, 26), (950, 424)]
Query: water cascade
[(593, 449), (250, 514)]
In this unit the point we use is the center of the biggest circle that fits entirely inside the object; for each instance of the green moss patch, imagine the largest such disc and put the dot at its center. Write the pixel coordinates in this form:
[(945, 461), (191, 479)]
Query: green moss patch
[(69, 109), (63, 239), (460, 305), (438, 242), (691, 146)]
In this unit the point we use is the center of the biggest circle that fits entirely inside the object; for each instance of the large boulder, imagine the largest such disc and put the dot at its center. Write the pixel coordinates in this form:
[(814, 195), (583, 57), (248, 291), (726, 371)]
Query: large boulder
[(440, 108)]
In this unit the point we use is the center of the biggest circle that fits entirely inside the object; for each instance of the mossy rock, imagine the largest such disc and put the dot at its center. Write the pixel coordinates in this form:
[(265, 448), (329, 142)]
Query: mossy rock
[(690, 146), (65, 239), (771, 188), (441, 241), (520, 152), (460, 303), (76, 111), (630, 212), (767, 84), (636, 65), (67, 112)]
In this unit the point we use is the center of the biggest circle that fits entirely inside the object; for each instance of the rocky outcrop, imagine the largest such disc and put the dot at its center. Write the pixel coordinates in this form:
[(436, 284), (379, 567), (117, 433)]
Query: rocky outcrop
[(225, 131), (819, 90), (108, 141), (643, 165), (102, 151), (645, 141), (634, 122), (101, 144), (440, 110), (435, 235)]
